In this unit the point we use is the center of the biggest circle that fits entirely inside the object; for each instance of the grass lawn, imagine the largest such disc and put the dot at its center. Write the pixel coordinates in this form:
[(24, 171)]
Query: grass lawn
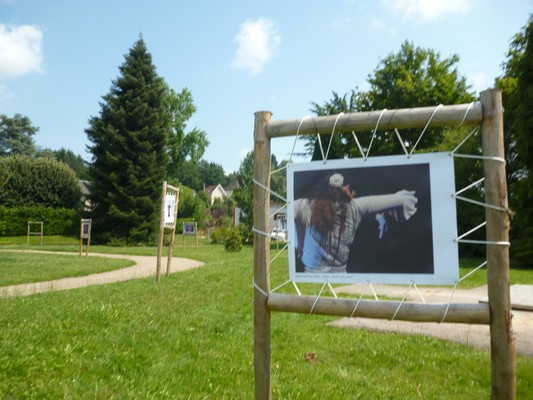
[(17, 268), (191, 337)]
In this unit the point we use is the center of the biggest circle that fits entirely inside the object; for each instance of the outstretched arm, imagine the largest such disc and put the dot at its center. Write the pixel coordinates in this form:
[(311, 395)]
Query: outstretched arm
[(374, 204)]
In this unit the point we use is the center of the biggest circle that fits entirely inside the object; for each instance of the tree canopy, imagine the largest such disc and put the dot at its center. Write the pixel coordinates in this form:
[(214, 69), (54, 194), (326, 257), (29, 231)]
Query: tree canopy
[(16, 135), (412, 77), (185, 149), (517, 88), (129, 158)]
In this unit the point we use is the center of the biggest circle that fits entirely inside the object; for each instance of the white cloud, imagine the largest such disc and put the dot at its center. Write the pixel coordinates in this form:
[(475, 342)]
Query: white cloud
[(20, 50), (258, 42), (427, 10)]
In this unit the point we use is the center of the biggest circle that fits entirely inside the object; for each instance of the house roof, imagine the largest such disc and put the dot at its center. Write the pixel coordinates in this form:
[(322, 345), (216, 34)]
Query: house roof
[(210, 189)]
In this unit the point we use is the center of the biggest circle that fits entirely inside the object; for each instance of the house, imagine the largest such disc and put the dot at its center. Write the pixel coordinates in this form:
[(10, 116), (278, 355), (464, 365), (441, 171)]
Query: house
[(230, 188), (85, 188), (215, 192)]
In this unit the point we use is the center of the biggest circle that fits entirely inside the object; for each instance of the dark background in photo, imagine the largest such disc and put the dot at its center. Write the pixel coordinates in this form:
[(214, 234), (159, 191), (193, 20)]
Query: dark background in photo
[(406, 248)]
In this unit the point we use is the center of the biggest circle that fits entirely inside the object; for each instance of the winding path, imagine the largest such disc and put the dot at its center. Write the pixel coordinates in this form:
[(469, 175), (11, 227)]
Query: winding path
[(144, 266)]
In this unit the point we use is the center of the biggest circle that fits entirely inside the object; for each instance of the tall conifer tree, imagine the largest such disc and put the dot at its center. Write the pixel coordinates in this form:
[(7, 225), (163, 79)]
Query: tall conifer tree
[(129, 161)]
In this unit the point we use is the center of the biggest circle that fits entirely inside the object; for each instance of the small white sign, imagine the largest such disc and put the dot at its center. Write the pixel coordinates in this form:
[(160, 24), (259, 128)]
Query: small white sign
[(170, 209)]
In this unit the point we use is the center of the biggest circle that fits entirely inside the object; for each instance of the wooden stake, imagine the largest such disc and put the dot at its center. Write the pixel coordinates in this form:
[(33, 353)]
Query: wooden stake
[(503, 352), (161, 233), (262, 355)]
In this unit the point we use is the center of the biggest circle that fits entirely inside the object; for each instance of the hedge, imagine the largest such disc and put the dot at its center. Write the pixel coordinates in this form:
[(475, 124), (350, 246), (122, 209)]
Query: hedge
[(56, 221), (32, 182)]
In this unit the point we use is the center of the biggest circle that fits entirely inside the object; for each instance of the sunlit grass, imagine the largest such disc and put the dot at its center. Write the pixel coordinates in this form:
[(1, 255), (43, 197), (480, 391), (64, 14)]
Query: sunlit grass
[(191, 337), (17, 268)]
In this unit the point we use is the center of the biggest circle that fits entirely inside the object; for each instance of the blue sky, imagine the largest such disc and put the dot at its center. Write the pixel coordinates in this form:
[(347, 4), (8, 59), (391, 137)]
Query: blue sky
[(59, 57)]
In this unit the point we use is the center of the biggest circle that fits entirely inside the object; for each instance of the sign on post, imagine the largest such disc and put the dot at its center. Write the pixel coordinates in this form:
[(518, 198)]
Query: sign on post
[(85, 234), (190, 228), (170, 209), (169, 215)]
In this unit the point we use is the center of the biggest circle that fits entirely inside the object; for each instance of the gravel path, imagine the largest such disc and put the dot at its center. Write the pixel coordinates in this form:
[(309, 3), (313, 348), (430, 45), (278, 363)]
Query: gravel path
[(473, 335), (144, 266)]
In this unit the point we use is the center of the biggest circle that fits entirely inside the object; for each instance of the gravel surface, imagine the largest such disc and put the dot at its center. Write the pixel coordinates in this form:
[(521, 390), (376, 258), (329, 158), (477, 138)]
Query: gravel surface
[(144, 266), (473, 335)]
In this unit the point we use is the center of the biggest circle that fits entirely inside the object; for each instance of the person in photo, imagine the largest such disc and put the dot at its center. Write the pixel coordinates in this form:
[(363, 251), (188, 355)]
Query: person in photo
[(326, 222)]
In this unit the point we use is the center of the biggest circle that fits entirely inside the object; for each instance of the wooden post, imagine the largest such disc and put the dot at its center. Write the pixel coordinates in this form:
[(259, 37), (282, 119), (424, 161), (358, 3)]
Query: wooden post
[(85, 234), (173, 236), (32, 233), (262, 351), (503, 352), (161, 233)]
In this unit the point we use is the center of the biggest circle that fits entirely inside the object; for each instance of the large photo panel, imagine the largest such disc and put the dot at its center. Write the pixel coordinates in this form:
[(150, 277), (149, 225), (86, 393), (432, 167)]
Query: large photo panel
[(384, 220)]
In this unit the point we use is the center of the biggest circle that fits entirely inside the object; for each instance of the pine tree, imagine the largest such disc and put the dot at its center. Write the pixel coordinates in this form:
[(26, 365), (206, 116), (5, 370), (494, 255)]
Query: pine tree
[(129, 162)]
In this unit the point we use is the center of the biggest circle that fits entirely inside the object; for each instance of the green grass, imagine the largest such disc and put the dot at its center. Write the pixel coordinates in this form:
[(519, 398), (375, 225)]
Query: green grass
[(18, 268), (191, 337)]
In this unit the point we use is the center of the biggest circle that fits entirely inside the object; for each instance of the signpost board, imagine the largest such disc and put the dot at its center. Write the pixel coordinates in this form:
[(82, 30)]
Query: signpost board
[(169, 215), (190, 228), (85, 234)]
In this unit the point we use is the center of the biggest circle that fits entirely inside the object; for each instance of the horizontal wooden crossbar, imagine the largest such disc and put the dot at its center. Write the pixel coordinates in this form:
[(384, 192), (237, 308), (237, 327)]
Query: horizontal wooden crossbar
[(453, 115), (468, 313)]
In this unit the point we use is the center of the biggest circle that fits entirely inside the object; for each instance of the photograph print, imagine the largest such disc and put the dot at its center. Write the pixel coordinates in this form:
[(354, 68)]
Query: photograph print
[(384, 220)]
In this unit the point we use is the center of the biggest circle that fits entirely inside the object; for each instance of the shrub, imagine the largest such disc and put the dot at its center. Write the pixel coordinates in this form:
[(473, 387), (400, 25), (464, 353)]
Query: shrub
[(220, 235), (39, 181), (57, 221), (233, 242)]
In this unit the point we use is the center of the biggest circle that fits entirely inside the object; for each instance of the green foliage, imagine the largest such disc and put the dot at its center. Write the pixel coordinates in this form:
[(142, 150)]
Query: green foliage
[(246, 233), (16, 135), (412, 77), (56, 221), (220, 234), (243, 193), (212, 174), (185, 149), (233, 242), (38, 182), (75, 162), (221, 212), (517, 92), (129, 159)]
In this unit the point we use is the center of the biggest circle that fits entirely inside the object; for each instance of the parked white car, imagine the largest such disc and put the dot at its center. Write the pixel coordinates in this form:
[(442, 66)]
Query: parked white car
[(278, 234)]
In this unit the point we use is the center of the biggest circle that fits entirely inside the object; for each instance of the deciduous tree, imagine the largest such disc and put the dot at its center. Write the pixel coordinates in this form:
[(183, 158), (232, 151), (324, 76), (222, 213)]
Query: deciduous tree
[(16, 135)]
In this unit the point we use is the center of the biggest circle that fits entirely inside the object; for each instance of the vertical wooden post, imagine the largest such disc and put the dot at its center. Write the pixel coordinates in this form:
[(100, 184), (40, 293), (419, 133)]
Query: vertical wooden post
[(173, 236), (262, 352), (81, 236), (161, 233), (503, 352)]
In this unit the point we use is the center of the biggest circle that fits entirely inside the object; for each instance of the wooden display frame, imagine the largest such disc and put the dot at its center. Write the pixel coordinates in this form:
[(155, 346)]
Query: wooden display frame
[(497, 312), (40, 232), (168, 218)]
